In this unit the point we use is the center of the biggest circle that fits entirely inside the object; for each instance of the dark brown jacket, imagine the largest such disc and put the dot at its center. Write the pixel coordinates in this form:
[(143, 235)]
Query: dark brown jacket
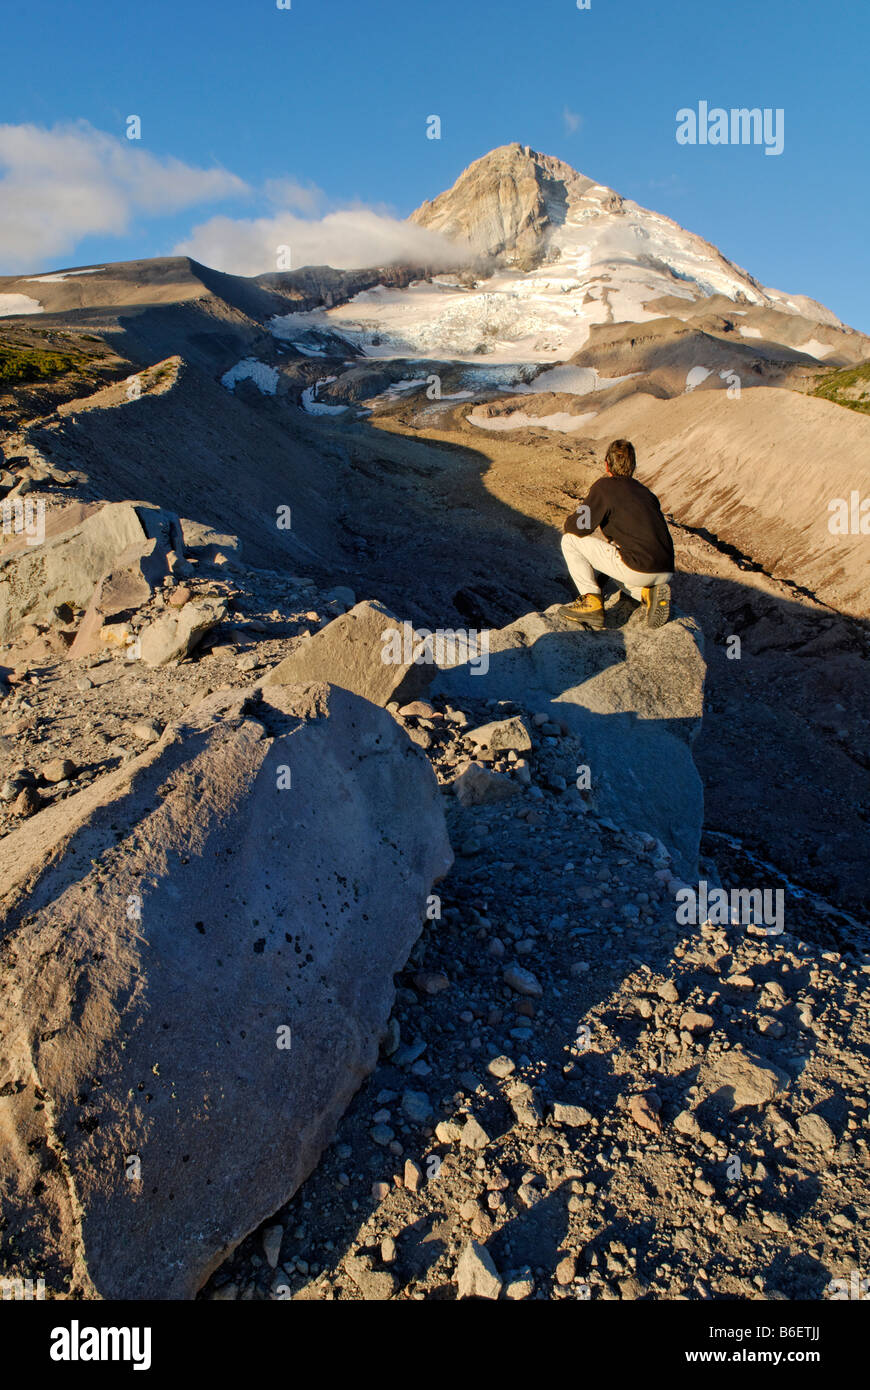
[(630, 516)]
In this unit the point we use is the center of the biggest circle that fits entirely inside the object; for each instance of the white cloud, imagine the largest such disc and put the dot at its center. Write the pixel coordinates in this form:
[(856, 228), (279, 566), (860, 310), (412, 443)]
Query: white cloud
[(348, 239), (61, 184), (573, 120), (287, 193)]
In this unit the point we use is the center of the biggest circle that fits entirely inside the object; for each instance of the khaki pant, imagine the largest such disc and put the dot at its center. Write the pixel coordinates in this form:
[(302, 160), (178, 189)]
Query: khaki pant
[(586, 555)]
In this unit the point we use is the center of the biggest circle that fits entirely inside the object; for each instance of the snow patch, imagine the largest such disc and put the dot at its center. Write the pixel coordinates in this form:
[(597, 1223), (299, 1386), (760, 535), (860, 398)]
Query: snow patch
[(250, 369), (815, 348), (61, 275), (313, 406), (696, 375), (575, 381), (18, 304)]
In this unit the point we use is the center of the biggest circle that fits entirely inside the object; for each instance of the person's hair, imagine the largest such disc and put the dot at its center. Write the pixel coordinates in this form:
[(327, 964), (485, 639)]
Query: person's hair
[(620, 458)]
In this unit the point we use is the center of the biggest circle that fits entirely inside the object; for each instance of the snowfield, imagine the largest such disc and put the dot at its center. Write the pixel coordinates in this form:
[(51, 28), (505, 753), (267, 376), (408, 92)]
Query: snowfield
[(814, 348), (601, 266), (18, 304), (62, 275)]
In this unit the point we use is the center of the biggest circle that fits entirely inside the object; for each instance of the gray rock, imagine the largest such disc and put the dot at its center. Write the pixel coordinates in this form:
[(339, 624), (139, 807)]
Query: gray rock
[(341, 595), (206, 543), (18, 778), (417, 1106), (129, 584), (572, 1115), (81, 545), (476, 1275), (774, 1222), (174, 635), (350, 652), (448, 1132), (736, 1078), (391, 1038), (58, 770), (421, 737), (501, 1067), (262, 1042), (499, 737), (419, 709), (146, 730), (477, 786), (272, 1238), (523, 982), (525, 1105), (816, 1131), (27, 802), (685, 1123), (522, 1286), (473, 1135), (632, 698)]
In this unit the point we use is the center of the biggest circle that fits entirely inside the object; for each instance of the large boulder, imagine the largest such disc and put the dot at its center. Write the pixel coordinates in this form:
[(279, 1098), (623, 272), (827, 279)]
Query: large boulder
[(68, 562), (129, 585), (204, 543), (366, 650), (196, 969), (634, 698), (172, 636)]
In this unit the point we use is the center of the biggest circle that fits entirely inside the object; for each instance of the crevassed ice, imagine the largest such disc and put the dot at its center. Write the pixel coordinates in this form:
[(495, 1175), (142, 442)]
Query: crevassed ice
[(599, 267)]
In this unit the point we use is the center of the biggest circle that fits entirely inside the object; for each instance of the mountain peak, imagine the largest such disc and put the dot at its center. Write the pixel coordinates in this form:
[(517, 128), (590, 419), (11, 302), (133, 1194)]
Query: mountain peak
[(504, 204)]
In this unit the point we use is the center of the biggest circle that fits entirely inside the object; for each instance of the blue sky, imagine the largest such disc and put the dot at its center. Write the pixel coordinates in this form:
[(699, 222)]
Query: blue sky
[(335, 94)]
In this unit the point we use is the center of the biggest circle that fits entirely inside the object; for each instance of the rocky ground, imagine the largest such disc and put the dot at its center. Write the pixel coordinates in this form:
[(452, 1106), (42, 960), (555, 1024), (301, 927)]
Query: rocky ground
[(578, 1097), (66, 723)]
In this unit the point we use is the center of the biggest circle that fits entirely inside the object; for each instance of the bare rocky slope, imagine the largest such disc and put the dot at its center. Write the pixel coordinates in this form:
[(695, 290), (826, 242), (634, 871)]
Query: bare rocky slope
[(681, 1115)]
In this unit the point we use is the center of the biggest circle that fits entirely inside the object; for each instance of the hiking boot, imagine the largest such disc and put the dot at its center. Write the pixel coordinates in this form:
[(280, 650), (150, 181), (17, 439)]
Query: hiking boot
[(587, 611), (657, 602)]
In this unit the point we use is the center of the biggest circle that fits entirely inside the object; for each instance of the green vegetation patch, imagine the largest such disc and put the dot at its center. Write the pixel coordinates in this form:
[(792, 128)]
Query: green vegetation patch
[(850, 386), (20, 365)]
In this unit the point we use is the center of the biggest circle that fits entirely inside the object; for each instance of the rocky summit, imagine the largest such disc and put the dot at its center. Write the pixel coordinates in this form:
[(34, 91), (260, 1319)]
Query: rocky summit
[(369, 932)]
